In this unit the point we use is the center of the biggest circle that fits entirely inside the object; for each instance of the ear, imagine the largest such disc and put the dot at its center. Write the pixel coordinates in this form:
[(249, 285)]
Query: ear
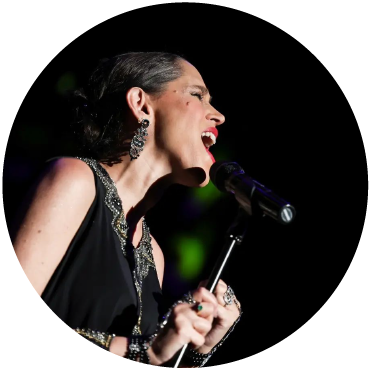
[(139, 103)]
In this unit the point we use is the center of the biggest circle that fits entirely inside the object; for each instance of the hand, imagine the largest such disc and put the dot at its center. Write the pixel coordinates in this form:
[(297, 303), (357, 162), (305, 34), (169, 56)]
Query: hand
[(224, 319), (185, 325)]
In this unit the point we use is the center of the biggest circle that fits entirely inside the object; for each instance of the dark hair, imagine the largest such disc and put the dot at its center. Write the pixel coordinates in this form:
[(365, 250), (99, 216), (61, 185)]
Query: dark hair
[(100, 109)]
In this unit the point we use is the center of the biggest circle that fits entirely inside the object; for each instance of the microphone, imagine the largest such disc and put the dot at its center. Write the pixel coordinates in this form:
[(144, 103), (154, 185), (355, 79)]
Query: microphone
[(254, 197)]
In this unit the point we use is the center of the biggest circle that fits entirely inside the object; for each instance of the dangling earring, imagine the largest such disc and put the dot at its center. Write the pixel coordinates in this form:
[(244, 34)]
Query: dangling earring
[(138, 141)]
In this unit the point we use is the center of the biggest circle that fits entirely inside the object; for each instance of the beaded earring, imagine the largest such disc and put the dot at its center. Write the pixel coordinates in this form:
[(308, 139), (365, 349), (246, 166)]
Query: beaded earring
[(138, 141)]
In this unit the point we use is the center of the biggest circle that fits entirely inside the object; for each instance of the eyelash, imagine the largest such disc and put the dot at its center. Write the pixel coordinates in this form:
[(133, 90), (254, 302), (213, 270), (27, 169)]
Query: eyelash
[(198, 95)]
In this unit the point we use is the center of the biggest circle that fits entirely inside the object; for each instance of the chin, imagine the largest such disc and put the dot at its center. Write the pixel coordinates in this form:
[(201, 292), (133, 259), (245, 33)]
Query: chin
[(205, 182), (194, 173), (194, 177)]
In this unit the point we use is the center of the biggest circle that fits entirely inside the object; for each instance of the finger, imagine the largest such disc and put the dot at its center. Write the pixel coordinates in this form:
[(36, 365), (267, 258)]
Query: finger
[(196, 338), (181, 307), (221, 288), (221, 283), (191, 328), (220, 298), (202, 326), (221, 301), (204, 295), (206, 310), (203, 283), (185, 330), (220, 293), (228, 315)]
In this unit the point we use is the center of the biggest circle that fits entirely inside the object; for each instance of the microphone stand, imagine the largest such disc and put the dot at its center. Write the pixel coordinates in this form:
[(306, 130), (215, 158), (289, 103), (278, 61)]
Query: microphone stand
[(234, 236)]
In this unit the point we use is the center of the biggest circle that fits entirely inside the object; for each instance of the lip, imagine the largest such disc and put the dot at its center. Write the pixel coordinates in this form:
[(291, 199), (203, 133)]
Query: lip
[(213, 130), (210, 154)]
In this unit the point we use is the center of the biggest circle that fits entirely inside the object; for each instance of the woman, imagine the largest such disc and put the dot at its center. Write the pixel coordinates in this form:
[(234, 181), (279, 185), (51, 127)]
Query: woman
[(144, 122)]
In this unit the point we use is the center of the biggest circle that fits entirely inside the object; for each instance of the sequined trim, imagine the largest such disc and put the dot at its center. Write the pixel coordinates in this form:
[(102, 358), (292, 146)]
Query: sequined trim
[(103, 340), (143, 254), (112, 201), (143, 261)]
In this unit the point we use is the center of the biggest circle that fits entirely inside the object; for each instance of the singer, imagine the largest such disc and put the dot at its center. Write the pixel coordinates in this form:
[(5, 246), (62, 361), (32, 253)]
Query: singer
[(144, 121)]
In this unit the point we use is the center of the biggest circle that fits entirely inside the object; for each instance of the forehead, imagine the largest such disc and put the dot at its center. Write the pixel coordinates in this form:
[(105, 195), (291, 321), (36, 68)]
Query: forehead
[(190, 75)]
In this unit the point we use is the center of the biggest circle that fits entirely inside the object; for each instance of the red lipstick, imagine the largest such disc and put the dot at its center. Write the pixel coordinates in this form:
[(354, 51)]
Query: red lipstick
[(213, 130)]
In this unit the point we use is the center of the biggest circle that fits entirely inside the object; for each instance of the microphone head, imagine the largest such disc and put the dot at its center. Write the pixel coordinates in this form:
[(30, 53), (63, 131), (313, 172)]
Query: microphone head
[(221, 170)]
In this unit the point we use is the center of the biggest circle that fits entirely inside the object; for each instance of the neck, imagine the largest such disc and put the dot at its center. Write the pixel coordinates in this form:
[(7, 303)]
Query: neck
[(140, 185)]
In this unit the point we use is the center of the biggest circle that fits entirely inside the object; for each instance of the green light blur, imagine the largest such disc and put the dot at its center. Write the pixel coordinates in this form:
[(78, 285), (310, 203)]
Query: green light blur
[(207, 195), (66, 82), (191, 256)]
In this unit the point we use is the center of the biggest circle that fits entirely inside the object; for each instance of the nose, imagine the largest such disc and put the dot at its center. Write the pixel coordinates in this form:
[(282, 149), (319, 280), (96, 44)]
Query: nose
[(216, 117)]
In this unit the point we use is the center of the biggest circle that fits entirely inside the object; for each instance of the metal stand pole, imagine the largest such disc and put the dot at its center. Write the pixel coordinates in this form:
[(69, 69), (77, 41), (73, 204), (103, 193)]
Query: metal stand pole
[(234, 236)]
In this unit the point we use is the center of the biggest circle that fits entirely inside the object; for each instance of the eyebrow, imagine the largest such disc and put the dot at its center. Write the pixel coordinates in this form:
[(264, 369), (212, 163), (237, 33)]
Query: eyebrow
[(203, 89)]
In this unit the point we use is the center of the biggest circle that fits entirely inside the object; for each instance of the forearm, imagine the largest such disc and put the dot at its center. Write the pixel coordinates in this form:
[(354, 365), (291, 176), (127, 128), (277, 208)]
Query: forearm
[(119, 347), (114, 344)]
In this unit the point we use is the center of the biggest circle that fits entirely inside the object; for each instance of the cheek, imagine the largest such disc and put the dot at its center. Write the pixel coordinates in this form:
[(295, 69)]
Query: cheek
[(194, 114), (179, 128)]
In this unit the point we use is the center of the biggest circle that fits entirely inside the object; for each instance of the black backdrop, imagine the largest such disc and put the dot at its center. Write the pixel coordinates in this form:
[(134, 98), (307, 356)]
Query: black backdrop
[(288, 125)]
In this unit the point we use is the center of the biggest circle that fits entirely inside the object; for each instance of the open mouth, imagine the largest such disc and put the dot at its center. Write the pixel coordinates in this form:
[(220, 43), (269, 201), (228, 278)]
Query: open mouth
[(208, 139)]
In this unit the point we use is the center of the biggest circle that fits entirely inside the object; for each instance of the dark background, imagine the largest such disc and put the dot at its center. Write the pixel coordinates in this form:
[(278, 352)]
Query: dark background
[(288, 125)]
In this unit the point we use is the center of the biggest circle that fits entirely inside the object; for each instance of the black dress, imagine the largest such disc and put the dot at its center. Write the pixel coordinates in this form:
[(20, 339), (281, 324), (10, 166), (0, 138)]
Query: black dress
[(103, 283)]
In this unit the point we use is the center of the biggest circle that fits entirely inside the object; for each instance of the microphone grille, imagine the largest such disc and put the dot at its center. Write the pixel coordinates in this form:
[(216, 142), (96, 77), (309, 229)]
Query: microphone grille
[(220, 171)]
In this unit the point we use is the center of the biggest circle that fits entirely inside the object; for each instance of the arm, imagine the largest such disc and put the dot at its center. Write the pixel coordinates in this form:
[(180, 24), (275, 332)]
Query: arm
[(159, 263), (116, 345), (183, 324), (53, 214)]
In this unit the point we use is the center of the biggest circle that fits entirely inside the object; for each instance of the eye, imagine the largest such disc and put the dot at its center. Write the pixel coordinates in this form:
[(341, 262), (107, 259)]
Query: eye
[(198, 95)]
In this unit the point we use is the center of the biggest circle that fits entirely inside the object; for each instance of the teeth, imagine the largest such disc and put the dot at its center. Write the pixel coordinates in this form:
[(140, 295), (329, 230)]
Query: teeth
[(211, 136)]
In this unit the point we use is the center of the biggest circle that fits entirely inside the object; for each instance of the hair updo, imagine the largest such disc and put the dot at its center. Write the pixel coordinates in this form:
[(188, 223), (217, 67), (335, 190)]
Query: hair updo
[(100, 107)]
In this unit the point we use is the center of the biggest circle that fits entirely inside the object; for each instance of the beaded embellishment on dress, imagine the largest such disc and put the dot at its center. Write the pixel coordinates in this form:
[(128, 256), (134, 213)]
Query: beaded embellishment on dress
[(143, 254), (112, 201)]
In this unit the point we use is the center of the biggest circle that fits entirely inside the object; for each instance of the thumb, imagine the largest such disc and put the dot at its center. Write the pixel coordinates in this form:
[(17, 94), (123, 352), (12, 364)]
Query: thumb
[(203, 283)]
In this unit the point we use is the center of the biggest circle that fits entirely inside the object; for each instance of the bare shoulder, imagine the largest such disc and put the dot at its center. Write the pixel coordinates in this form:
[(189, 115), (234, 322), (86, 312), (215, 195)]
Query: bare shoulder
[(158, 259), (65, 181), (52, 214), (71, 171)]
